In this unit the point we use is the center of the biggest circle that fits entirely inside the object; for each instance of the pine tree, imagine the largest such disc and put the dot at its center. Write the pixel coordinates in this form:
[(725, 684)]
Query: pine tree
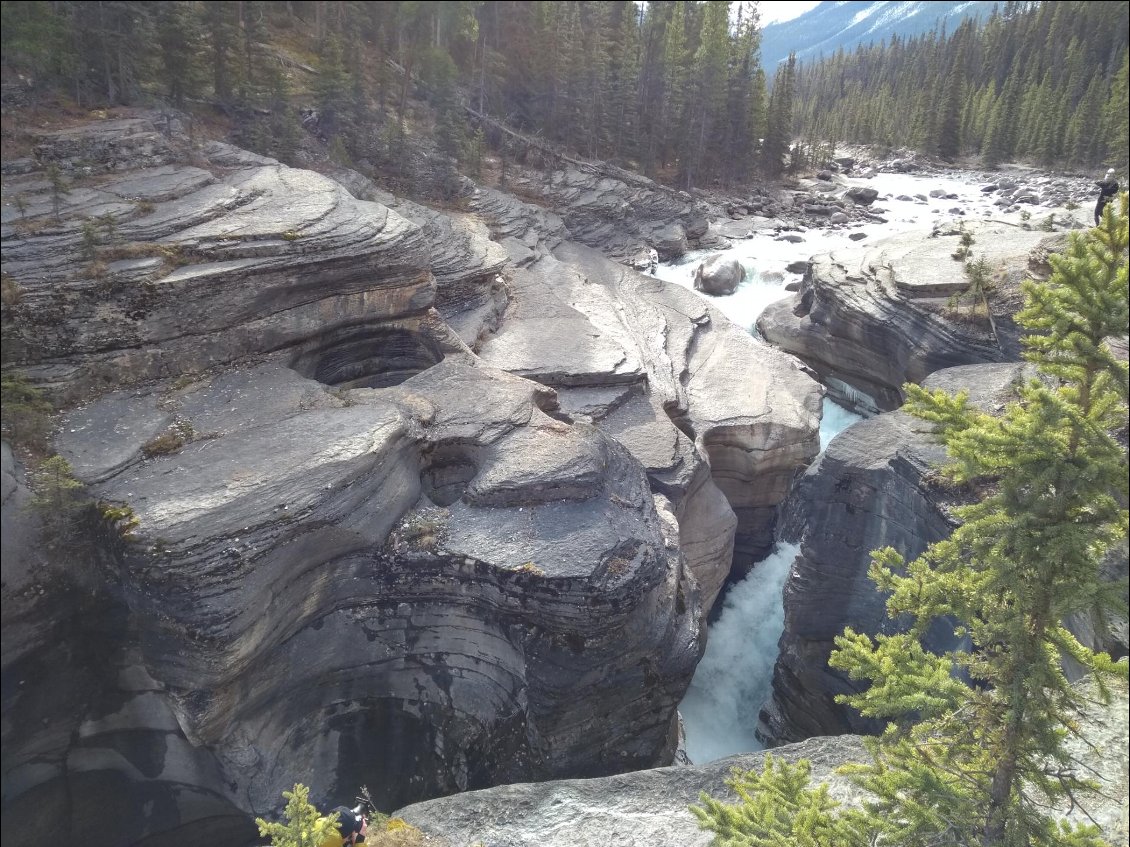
[(974, 753), (178, 34), (304, 826), (778, 133), (221, 23)]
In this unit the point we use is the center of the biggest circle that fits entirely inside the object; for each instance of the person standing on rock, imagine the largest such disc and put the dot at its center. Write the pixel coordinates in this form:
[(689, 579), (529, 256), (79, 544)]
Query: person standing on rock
[(1108, 187)]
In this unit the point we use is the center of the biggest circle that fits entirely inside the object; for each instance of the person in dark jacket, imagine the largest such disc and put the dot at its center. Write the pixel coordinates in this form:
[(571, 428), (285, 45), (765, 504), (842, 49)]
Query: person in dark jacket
[(1108, 187), (351, 826)]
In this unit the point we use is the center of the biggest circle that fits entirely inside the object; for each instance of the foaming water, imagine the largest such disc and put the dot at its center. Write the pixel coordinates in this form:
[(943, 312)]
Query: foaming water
[(835, 420), (734, 677)]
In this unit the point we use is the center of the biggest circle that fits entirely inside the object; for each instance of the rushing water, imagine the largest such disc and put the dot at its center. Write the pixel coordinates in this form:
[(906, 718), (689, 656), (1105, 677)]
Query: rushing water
[(735, 675)]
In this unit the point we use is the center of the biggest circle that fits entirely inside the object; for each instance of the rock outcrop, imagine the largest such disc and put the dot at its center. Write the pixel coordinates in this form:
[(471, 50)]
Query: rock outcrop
[(424, 501), (872, 487), (619, 212), (651, 808), (873, 318)]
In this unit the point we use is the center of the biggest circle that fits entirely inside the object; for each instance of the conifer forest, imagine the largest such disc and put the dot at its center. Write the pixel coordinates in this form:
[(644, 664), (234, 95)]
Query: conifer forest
[(674, 89)]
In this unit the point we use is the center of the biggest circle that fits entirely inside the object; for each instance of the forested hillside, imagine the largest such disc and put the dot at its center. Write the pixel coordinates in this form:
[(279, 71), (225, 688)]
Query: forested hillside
[(1045, 82), (673, 89)]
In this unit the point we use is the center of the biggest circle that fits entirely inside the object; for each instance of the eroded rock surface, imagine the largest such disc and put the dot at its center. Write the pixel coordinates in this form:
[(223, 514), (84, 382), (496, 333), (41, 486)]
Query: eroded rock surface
[(876, 317), (365, 553), (626, 349)]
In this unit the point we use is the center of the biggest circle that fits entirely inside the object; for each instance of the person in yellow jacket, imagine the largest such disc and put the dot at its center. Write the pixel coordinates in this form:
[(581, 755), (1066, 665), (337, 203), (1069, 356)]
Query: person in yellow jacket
[(351, 827)]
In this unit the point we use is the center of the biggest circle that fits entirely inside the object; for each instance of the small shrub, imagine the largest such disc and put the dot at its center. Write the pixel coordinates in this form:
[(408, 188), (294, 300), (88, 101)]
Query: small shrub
[(57, 497), (394, 832), (304, 826), (1048, 223), (60, 188), (167, 442), (422, 533), (89, 239), (122, 518), (530, 568), (291, 235), (10, 291), (109, 227), (144, 207), (24, 413)]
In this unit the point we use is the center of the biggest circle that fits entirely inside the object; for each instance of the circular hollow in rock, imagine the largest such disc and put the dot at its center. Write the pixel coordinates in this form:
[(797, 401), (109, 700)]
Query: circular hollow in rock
[(368, 357)]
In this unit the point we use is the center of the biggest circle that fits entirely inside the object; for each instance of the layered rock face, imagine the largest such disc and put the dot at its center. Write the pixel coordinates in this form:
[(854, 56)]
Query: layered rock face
[(662, 370), (870, 320), (872, 488), (365, 552), (618, 211)]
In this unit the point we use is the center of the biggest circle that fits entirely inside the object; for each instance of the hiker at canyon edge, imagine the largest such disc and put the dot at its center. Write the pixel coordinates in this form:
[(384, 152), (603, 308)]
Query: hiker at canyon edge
[(1108, 187), (351, 825)]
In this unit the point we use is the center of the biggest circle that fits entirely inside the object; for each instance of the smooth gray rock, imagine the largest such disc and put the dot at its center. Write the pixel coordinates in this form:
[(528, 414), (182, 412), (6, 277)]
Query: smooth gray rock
[(582, 321), (875, 317), (643, 809), (428, 577), (718, 276), (259, 259)]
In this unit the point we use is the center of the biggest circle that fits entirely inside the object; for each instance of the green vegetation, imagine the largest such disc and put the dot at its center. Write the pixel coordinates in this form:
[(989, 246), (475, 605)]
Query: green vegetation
[(674, 88), (979, 276), (974, 752), (25, 414), (304, 826), (1039, 81), (169, 441)]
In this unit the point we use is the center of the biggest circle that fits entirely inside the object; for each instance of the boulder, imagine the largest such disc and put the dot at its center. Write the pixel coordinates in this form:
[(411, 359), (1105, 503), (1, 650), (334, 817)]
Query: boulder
[(862, 195), (838, 218), (718, 275)]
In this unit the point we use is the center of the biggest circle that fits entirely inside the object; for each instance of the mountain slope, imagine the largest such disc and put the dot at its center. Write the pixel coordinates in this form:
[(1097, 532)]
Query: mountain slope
[(833, 25)]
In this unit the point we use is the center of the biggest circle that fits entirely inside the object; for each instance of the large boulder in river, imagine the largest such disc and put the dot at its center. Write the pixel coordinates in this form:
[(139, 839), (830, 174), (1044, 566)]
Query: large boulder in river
[(862, 195), (718, 276), (870, 318)]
